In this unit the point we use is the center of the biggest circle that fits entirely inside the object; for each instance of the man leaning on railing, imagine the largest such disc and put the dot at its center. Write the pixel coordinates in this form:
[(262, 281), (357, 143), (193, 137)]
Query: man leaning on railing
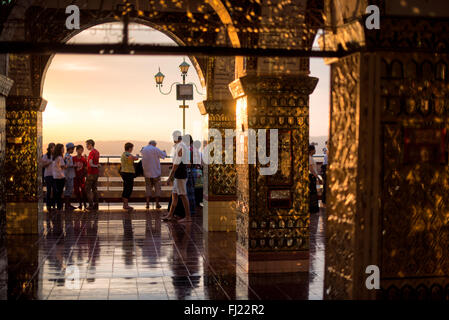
[(151, 164)]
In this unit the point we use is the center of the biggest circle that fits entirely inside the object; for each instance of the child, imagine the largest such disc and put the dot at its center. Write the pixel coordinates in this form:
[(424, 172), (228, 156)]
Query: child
[(80, 164)]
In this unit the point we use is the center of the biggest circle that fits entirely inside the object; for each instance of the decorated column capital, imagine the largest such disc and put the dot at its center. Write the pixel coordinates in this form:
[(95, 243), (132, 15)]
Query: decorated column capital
[(226, 107), (269, 85), (20, 103)]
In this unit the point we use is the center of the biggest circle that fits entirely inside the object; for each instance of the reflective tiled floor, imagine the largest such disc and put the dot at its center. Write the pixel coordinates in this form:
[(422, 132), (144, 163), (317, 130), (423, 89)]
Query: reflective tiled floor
[(118, 255)]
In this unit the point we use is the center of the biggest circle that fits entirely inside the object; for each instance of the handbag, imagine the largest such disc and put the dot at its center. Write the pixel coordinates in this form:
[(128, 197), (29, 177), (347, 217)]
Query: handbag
[(138, 169), (198, 175)]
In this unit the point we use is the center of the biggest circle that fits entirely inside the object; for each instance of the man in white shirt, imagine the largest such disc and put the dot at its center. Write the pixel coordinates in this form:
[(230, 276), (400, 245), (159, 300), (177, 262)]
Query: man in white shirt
[(178, 174), (151, 164)]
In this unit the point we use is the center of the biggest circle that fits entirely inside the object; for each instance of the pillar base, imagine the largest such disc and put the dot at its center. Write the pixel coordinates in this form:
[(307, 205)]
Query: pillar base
[(272, 262), (219, 215), (23, 218)]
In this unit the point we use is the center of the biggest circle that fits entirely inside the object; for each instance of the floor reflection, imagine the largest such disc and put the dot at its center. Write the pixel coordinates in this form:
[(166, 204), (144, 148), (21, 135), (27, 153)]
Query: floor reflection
[(118, 255), (3, 271)]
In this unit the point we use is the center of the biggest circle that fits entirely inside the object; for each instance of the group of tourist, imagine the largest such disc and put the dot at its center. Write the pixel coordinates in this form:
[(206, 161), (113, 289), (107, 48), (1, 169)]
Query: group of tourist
[(65, 174), (182, 175)]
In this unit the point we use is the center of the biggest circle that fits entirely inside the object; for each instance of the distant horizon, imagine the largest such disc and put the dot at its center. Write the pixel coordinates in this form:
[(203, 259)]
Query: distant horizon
[(115, 147), (115, 97)]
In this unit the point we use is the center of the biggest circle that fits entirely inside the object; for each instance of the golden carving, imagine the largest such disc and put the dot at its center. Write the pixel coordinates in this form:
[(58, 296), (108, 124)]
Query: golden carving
[(342, 174), (414, 233), (260, 226)]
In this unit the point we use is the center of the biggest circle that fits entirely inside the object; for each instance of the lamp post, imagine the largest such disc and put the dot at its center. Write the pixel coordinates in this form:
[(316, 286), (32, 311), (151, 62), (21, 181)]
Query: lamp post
[(184, 91)]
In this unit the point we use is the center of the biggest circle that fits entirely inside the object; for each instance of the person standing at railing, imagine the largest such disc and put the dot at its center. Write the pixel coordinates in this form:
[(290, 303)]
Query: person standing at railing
[(58, 174), (324, 175), (69, 175), (80, 163), (198, 172), (190, 177), (179, 174), (46, 164), (313, 177), (127, 172), (93, 166), (151, 164)]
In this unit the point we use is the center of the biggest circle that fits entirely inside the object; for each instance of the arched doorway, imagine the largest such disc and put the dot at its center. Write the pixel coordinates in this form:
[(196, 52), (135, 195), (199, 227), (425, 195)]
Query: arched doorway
[(113, 99), (119, 89), (30, 192)]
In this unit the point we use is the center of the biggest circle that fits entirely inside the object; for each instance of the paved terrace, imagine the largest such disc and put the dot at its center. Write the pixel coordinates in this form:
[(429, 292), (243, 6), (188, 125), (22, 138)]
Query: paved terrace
[(136, 256)]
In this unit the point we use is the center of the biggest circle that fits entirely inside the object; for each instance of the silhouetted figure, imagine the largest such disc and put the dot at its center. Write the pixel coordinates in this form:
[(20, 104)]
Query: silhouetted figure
[(313, 177)]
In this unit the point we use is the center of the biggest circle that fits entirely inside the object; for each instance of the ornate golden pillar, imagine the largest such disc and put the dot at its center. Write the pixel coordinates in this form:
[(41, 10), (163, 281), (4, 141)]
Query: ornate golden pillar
[(413, 121), (273, 210), (388, 165), (219, 188), (219, 179), (5, 87), (23, 151), (352, 208)]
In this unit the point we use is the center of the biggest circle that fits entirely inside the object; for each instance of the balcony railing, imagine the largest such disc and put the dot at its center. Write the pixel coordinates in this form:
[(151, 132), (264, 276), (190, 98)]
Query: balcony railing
[(110, 184)]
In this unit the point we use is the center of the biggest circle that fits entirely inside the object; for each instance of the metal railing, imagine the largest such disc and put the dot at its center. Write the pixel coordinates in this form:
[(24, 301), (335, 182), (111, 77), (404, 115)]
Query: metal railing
[(110, 183), (110, 180)]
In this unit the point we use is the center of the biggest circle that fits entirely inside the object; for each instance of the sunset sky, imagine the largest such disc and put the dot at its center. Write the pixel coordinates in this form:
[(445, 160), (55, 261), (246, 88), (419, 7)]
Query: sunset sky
[(112, 97)]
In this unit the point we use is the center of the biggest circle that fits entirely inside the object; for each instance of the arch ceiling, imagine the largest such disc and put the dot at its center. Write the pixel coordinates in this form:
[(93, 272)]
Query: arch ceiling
[(230, 23)]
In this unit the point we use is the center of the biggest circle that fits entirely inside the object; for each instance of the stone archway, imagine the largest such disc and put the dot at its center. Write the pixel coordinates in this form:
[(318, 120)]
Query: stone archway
[(25, 104), (199, 68)]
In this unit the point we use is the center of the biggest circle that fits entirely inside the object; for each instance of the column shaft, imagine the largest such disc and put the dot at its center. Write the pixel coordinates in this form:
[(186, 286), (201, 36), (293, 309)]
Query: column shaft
[(273, 210), (23, 151)]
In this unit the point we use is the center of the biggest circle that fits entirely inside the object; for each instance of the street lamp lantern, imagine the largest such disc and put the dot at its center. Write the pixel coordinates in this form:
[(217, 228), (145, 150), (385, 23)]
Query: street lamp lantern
[(184, 91), (184, 67), (159, 77)]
